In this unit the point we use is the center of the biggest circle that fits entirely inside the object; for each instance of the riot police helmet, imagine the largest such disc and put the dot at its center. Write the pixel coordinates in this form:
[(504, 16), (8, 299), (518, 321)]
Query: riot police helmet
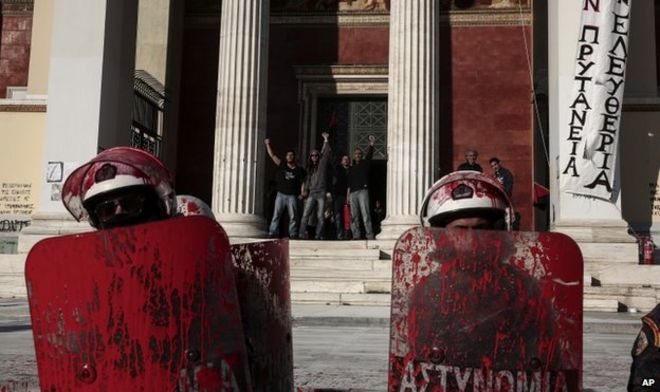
[(120, 186), (467, 195)]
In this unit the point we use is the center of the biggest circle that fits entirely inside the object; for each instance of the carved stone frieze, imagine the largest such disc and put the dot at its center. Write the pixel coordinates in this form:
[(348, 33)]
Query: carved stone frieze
[(470, 17), (23, 108), (16, 7)]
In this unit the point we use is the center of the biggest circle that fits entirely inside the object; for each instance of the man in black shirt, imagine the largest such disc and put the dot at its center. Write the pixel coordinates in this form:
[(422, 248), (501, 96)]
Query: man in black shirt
[(288, 180), (358, 182), (471, 162), (339, 194)]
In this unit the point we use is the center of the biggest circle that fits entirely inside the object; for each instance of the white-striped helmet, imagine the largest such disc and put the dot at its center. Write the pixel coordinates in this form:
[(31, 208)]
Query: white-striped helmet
[(464, 194)]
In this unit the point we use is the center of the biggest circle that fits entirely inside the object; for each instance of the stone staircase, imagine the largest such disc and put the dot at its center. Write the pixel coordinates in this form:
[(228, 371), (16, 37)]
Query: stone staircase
[(12, 276), (359, 273), (341, 272), (614, 279)]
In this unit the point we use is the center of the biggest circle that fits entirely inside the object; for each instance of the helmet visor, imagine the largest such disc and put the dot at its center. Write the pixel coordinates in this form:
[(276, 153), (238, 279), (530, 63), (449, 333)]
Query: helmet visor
[(128, 206)]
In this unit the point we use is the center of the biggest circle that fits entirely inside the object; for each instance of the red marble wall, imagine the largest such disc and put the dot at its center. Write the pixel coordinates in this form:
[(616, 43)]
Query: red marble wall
[(292, 45), (491, 104), (15, 35)]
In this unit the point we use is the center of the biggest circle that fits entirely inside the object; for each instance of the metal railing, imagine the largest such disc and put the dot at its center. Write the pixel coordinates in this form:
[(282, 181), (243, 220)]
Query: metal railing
[(145, 140)]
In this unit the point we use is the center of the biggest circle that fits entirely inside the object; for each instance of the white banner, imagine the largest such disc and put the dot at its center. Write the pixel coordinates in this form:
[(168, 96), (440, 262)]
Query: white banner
[(596, 100)]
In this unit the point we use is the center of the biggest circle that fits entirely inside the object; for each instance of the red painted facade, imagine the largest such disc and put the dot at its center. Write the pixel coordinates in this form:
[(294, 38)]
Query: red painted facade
[(15, 36)]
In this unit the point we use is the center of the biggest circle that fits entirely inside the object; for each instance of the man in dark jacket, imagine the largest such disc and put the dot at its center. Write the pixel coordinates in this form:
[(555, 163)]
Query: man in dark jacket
[(645, 369), (315, 187), (358, 184), (471, 162)]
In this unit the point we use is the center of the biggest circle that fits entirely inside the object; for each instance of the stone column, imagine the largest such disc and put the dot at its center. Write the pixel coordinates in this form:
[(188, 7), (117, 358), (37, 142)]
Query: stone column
[(241, 117), (597, 225), (90, 95), (412, 129), (580, 217)]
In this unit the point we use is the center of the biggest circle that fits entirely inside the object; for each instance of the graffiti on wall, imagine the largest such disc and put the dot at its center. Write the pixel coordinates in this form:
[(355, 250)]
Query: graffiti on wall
[(16, 206), (16, 198)]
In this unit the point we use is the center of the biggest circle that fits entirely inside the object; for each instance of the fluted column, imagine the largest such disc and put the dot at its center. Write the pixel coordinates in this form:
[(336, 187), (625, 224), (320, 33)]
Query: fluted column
[(412, 111), (241, 117)]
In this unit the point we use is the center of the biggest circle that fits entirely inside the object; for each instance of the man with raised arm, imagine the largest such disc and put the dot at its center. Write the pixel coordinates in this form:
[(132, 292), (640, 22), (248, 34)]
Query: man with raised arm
[(315, 187), (289, 178)]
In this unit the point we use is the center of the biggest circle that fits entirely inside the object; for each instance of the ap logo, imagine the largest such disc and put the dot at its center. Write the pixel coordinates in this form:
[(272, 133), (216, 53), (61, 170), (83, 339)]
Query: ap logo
[(648, 382)]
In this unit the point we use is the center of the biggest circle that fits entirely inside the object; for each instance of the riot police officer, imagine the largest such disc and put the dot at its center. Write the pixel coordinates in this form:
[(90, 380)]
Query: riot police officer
[(645, 369)]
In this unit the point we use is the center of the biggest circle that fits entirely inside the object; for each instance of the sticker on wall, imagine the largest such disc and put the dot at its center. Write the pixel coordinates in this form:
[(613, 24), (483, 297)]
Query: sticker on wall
[(55, 172), (56, 192)]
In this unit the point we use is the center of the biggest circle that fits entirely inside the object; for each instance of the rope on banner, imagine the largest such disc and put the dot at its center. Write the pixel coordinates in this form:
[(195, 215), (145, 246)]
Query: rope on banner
[(531, 80)]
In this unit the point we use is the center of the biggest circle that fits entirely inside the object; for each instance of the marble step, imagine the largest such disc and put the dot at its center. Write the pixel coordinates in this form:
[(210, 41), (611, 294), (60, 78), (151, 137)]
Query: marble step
[(596, 268), (339, 275), (12, 264), (348, 286), (600, 305), (335, 253), (12, 275), (312, 297), (362, 244), (341, 264), (616, 252), (642, 299), (631, 275), (589, 304)]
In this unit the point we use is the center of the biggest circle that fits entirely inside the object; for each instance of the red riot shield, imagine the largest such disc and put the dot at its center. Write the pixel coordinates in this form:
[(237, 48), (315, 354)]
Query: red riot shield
[(495, 311), (149, 307), (262, 279)]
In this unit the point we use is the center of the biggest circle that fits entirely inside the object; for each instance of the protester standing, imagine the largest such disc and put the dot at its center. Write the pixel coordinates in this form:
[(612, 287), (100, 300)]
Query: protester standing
[(358, 192), (288, 184), (339, 195), (314, 188)]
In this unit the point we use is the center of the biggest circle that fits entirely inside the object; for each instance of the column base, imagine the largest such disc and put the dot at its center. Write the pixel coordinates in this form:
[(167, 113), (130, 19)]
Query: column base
[(605, 244), (241, 226), (393, 226), (596, 230), (49, 224)]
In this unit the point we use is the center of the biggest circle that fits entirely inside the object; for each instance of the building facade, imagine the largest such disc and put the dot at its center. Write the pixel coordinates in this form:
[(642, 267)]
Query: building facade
[(202, 83)]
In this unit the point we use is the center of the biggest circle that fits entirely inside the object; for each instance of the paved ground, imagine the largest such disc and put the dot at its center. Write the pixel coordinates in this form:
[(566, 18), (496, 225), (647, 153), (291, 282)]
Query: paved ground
[(346, 347)]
